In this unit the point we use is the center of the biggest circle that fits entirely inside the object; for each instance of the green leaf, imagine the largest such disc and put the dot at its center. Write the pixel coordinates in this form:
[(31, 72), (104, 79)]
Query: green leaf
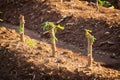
[(105, 3), (60, 27), (20, 29), (92, 39), (51, 25), (101, 3), (112, 7), (87, 31), (48, 25)]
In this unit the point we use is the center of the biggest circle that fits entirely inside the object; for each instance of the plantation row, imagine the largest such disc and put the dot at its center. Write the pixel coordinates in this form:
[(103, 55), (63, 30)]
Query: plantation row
[(52, 29)]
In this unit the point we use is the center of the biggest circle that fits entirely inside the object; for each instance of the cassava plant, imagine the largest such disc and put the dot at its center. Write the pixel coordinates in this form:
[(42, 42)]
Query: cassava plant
[(91, 40), (21, 28), (52, 28)]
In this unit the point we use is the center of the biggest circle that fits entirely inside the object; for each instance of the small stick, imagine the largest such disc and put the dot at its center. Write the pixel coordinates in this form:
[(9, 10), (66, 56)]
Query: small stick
[(22, 22)]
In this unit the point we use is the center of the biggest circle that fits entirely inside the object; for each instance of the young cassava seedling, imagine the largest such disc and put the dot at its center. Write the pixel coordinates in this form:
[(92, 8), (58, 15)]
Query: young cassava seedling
[(91, 40), (21, 28), (50, 26)]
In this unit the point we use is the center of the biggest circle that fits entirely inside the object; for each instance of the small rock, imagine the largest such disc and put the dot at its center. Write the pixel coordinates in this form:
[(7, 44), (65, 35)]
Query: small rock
[(39, 47), (57, 60), (46, 60), (13, 31), (113, 56), (37, 53), (79, 66), (107, 33), (3, 29), (103, 53), (116, 14), (62, 53), (32, 67), (39, 36)]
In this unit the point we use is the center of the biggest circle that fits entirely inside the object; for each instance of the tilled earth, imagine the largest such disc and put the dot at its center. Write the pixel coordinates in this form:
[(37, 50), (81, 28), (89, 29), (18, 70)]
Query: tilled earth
[(76, 17), (19, 61)]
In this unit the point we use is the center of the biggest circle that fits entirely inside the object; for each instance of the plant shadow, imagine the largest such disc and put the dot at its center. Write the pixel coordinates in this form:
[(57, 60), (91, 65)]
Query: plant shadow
[(15, 66)]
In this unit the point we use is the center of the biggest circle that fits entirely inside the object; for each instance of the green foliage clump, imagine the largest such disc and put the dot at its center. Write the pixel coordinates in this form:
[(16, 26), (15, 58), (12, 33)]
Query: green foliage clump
[(89, 36), (105, 3), (20, 29), (49, 26)]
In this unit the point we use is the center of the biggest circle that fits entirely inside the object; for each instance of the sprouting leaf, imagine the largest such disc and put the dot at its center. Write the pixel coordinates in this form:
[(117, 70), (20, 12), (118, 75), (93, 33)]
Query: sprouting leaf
[(48, 25), (87, 31), (60, 27), (92, 39), (51, 25), (112, 7), (20, 29)]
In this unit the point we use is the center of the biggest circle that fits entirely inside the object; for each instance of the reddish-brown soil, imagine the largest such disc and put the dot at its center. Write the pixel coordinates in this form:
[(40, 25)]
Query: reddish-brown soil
[(20, 62)]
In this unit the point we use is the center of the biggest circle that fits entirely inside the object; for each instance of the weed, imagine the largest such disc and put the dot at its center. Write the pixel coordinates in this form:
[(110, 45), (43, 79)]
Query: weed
[(105, 3), (31, 43)]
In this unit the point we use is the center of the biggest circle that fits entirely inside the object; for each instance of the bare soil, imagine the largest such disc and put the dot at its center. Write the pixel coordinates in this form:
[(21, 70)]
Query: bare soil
[(20, 62)]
